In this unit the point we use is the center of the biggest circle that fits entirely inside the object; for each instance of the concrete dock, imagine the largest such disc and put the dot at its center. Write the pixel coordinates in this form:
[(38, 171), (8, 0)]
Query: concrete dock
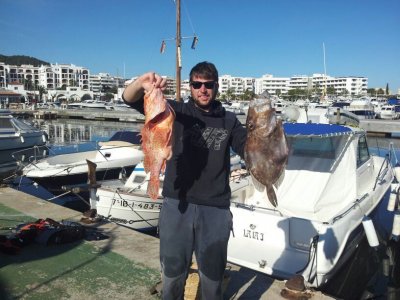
[(125, 265), (385, 127)]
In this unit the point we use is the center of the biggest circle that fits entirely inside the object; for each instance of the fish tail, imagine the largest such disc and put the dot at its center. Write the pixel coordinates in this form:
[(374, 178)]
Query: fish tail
[(272, 195), (153, 188)]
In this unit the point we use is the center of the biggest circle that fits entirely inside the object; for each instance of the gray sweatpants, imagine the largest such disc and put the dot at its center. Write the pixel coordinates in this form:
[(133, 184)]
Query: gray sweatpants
[(184, 228)]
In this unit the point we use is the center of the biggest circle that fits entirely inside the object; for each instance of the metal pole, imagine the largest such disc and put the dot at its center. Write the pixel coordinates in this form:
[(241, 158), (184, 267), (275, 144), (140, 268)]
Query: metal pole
[(178, 50)]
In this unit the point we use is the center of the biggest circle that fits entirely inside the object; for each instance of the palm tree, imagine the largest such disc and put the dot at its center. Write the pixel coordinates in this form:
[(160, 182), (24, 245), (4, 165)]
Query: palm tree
[(42, 90), (230, 93)]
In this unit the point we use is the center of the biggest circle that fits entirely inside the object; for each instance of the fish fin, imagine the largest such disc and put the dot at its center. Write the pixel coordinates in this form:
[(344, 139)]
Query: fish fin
[(279, 181), (272, 195), (270, 190), (153, 187)]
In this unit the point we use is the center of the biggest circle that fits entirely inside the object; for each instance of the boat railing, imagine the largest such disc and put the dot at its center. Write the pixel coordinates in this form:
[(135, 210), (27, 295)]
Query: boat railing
[(31, 155)]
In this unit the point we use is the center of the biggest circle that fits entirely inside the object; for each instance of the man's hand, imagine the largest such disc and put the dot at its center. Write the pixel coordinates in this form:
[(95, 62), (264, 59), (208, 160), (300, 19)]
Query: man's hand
[(144, 83)]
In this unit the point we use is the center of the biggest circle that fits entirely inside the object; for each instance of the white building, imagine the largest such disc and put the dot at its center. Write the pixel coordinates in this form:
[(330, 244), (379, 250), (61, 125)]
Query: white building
[(238, 85), (53, 76), (273, 85), (101, 81), (350, 85), (57, 76)]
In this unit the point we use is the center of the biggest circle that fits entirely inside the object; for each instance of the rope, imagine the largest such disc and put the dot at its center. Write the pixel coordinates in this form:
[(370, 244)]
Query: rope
[(189, 19)]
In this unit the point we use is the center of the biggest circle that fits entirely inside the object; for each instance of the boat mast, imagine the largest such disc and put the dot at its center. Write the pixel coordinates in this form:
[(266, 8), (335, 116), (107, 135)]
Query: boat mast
[(178, 50), (323, 46)]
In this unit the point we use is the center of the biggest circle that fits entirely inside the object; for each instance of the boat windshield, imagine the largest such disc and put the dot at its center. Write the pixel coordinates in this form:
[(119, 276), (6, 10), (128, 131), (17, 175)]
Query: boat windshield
[(6, 125), (314, 146)]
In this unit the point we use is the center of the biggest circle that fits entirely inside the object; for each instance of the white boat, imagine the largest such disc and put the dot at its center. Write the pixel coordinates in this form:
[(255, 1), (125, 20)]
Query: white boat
[(121, 152), (331, 183), (118, 105), (16, 134), (363, 108), (125, 202), (88, 104), (390, 112)]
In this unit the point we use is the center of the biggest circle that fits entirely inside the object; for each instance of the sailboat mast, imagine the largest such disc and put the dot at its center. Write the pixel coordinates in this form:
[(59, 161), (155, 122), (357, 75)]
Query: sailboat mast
[(323, 46), (178, 50)]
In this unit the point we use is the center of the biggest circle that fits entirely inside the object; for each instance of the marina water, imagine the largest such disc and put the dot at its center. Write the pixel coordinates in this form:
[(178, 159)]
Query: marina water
[(369, 274)]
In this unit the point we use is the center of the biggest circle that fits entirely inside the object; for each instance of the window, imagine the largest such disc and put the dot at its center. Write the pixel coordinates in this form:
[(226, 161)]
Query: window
[(363, 152), (313, 146)]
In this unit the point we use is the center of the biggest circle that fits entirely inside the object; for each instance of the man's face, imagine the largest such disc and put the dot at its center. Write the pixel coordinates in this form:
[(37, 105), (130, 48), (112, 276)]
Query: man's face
[(203, 91)]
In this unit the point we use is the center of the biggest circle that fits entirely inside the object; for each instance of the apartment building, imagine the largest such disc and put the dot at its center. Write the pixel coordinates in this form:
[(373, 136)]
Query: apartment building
[(56, 76), (238, 85), (51, 76), (273, 85), (102, 80)]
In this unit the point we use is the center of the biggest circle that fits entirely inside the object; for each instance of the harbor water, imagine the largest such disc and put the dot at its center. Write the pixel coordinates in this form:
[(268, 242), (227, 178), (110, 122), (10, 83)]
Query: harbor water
[(372, 273)]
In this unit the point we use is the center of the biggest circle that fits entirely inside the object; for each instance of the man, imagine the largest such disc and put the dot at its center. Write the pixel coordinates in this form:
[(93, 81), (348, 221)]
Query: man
[(195, 215)]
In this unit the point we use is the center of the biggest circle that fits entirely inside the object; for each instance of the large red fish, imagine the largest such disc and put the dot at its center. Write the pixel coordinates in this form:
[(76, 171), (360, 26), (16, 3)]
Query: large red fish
[(266, 150), (156, 137)]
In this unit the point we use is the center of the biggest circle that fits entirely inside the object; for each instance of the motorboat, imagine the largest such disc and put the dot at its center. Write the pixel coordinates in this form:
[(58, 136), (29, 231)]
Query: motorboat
[(88, 104), (122, 152), (319, 114), (390, 112), (17, 134), (118, 105), (331, 186), (363, 108), (125, 201)]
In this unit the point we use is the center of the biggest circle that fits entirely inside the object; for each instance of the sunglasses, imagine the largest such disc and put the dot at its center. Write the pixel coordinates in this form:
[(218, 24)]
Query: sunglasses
[(197, 84)]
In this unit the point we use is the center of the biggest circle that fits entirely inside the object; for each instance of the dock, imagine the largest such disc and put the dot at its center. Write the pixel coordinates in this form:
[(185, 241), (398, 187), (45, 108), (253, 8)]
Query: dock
[(125, 265), (375, 126)]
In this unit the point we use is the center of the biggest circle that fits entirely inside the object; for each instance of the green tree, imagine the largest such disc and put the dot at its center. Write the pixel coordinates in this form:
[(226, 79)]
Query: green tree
[(387, 88), (28, 84), (371, 91), (248, 95), (295, 94), (109, 96), (230, 93), (42, 90), (331, 90)]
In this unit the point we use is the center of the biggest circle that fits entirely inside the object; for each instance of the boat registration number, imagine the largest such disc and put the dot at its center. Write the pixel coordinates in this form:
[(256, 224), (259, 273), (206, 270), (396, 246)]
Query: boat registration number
[(124, 203), (251, 234)]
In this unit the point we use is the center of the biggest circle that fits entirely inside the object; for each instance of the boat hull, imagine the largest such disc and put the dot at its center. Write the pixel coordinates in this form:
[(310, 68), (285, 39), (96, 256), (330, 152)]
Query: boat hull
[(280, 245), (71, 169), (127, 208), (55, 184), (20, 141)]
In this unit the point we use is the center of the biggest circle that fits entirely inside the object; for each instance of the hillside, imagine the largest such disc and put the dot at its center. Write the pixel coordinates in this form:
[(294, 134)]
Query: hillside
[(18, 60)]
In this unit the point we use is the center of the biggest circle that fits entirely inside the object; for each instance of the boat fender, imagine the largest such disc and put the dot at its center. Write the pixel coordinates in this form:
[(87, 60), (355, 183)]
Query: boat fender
[(370, 232), (396, 226), (393, 197)]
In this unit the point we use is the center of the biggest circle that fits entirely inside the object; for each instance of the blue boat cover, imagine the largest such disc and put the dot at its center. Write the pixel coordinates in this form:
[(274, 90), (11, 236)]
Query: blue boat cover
[(313, 129)]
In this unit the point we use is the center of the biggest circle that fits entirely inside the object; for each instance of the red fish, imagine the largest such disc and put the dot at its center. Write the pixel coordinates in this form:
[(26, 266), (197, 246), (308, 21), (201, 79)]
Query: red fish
[(156, 137)]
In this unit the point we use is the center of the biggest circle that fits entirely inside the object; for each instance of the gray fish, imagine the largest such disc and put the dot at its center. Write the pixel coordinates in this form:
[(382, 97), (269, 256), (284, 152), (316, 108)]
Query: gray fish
[(266, 150)]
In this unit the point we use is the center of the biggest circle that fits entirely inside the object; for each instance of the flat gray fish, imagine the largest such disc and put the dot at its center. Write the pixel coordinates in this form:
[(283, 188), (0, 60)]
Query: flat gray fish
[(266, 150)]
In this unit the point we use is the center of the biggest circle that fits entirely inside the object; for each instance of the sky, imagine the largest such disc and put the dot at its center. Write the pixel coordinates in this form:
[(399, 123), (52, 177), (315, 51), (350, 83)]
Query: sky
[(242, 38)]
